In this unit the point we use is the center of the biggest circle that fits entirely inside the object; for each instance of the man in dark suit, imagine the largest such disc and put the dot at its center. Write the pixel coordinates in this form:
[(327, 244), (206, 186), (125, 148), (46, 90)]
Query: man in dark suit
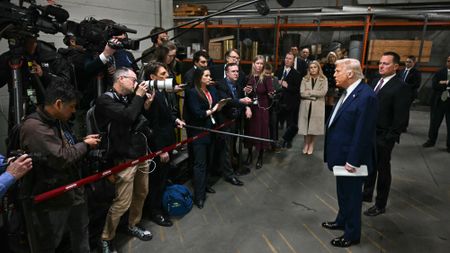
[(200, 60), (218, 71), (303, 62), (290, 80), (229, 89), (394, 99), (440, 106), (412, 77), (349, 142)]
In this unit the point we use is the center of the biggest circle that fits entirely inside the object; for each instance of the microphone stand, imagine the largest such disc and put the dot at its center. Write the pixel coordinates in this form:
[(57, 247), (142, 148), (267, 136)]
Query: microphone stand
[(199, 20)]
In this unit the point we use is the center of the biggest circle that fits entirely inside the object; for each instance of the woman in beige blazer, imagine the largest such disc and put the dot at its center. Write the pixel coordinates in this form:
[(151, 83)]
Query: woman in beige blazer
[(312, 106)]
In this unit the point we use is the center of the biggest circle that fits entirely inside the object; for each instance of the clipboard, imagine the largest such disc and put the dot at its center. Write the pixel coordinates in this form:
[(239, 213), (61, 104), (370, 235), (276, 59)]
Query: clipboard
[(340, 171)]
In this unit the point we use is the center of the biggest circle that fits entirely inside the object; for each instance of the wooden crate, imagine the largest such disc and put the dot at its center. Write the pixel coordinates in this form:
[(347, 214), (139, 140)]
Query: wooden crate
[(183, 10), (402, 47), (215, 50)]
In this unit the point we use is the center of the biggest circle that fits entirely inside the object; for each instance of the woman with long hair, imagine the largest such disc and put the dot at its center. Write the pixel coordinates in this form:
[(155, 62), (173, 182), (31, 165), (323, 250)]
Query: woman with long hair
[(259, 87), (312, 106), (201, 104)]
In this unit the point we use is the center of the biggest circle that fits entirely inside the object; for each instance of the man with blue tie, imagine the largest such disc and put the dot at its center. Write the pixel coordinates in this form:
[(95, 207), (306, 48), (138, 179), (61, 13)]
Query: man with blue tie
[(350, 142), (394, 99)]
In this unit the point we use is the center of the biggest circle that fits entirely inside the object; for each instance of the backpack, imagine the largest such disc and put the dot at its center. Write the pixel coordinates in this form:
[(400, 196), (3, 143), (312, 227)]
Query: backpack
[(177, 200)]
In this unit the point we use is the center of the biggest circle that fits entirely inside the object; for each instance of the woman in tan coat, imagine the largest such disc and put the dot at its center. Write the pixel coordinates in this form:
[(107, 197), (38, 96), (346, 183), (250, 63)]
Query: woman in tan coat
[(312, 106)]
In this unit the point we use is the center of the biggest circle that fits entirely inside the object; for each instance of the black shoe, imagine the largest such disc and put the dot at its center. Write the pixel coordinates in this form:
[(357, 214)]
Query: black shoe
[(448, 150), (140, 233), (200, 204), (209, 189), (374, 211), (162, 221), (428, 144), (288, 144), (332, 225), (342, 243), (234, 181), (107, 247), (259, 164)]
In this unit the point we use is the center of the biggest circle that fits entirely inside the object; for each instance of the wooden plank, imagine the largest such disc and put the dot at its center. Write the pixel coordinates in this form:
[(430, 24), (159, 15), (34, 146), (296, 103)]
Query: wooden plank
[(402, 47)]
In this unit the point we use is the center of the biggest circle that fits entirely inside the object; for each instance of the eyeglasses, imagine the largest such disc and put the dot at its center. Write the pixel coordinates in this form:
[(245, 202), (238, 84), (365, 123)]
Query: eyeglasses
[(132, 78)]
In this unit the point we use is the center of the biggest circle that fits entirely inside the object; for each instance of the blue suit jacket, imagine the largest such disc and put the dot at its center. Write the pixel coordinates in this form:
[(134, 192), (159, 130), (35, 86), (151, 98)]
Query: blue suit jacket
[(351, 137)]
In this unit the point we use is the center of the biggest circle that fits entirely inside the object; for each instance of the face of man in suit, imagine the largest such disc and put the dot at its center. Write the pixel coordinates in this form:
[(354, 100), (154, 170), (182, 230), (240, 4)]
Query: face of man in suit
[(233, 58), (344, 77), (202, 62), (294, 51), (305, 53), (289, 61), (387, 67), (448, 62), (233, 73), (409, 63)]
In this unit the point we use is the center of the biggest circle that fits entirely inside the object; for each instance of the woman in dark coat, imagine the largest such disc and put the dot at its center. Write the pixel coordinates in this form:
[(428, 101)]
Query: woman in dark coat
[(261, 89), (201, 104)]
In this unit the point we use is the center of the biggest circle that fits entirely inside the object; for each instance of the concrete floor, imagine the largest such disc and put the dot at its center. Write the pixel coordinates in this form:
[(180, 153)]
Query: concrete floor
[(282, 205)]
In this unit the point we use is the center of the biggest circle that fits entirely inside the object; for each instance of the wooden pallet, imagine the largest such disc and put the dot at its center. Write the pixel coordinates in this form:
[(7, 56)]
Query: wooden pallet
[(190, 10), (402, 47)]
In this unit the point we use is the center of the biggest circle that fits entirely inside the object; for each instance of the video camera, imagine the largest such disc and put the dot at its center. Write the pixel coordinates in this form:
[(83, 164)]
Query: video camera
[(17, 22), (94, 34)]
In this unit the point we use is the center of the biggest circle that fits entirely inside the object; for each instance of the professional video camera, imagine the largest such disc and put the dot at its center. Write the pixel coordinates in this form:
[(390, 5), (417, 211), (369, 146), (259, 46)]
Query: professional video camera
[(17, 22), (94, 34)]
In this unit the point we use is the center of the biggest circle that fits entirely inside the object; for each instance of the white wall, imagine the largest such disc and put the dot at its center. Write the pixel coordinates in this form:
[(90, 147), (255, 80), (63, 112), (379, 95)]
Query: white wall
[(141, 15)]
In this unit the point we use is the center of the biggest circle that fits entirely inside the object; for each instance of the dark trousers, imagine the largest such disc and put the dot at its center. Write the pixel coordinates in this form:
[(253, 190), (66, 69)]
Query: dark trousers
[(273, 123), (200, 168), (221, 158), (157, 185), (50, 227), (383, 170), (439, 110), (350, 203), (292, 123)]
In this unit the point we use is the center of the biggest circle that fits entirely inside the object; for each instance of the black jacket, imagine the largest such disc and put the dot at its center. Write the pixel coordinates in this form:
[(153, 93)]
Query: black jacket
[(290, 96), (161, 121), (124, 118), (233, 109), (438, 88), (393, 107), (413, 80)]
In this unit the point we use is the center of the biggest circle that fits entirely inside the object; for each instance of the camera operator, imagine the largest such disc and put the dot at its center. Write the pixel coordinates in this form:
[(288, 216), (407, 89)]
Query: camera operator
[(228, 88), (119, 115), (162, 123), (13, 171), (46, 132), (41, 64), (111, 58), (158, 40)]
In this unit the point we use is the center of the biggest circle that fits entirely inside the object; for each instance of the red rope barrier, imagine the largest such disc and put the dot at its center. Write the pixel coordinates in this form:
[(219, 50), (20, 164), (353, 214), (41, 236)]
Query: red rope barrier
[(118, 168)]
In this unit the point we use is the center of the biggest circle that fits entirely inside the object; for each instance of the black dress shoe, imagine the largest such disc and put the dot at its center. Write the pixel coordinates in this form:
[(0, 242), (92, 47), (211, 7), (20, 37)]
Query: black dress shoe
[(428, 144), (234, 181), (342, 243), (259, 164), (209, 189), (288, 144), (332, 225), (200, 204), (162, 221), (374, 211)]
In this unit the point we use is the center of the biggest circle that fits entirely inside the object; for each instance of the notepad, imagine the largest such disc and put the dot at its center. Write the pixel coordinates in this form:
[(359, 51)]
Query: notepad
[(340, 171)]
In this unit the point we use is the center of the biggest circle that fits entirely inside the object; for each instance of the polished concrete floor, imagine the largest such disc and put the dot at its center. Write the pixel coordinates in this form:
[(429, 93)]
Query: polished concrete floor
[(282, 205)]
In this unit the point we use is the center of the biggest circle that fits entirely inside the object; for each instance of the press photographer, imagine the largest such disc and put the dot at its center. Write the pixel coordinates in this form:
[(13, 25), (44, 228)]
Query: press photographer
[(46, 131), (119, 114)]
